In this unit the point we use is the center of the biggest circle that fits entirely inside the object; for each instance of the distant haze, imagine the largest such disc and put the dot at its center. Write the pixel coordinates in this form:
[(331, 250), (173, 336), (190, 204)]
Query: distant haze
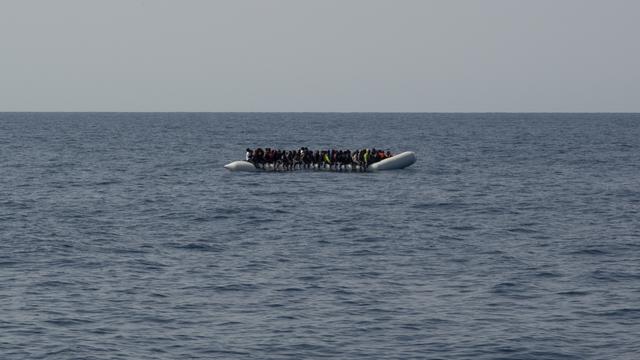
[(324, 55)]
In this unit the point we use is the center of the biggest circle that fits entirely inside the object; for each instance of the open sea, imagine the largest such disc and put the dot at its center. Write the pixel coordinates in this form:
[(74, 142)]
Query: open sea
[(514, 236)]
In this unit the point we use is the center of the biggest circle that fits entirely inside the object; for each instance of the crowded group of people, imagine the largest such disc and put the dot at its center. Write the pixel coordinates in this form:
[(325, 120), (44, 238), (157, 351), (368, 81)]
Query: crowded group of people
[(304, 158)]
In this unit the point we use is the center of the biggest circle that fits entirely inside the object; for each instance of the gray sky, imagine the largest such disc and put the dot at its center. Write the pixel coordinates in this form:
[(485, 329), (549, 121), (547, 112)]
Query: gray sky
[(323, 55)]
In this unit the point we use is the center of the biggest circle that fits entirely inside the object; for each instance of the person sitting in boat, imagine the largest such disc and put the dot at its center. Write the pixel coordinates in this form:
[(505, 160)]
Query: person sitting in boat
[(364, 155), (354, 157), (307, 158), (277, 162), (373, 156), (317, 160), (326, 159), (249, 155), (267, 156), (258, 157), (346, 158)]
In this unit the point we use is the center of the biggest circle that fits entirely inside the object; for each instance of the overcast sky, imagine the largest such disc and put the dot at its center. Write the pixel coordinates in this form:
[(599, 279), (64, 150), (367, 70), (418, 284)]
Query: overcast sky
[(323, 55)]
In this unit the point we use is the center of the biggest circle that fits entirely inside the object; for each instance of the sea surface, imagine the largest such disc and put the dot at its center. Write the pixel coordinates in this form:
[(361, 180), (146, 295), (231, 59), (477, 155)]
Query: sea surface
[(514, 236)]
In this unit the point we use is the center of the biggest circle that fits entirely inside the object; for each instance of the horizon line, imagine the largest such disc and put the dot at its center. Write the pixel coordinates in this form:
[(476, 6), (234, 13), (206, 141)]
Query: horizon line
[(323, 112)]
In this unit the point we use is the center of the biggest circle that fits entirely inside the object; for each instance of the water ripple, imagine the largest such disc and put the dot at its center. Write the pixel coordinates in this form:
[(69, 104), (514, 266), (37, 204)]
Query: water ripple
[(513, 237)]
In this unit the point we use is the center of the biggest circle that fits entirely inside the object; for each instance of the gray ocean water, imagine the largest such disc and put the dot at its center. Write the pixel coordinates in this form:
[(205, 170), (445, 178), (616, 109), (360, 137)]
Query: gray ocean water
[(514, 236)]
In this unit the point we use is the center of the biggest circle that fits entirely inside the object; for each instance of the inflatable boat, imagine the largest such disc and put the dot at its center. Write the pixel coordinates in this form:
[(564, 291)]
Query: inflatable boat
[(395, 162)]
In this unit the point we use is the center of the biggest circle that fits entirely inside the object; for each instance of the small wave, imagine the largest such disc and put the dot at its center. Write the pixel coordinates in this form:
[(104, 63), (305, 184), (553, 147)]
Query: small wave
[(53, 284), (227, 211), (68, 321), (252, 221), (226, 353), (102, 331), (308, 278), (514, 290), (589, 251), (149, 265), (198, 247), (548, 274), (15, 205), (368, 239), (341, 220), (173, 216), (623, 313), (120, 250), (541, 354), (438, 205), (348, 229), (522, 230), (492, 252), (364, 252), (155, 319), (459, 260), (342, 292), (236, 287), (463, 228), (448, 237), (275, 305), (291, 289), (107, 182), (614, 275), (493, 210), (573, 293), (505, 285)]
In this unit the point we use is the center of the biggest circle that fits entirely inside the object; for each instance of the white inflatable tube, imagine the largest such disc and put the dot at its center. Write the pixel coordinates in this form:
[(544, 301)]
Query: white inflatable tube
[(241, 166), (395, 162)]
